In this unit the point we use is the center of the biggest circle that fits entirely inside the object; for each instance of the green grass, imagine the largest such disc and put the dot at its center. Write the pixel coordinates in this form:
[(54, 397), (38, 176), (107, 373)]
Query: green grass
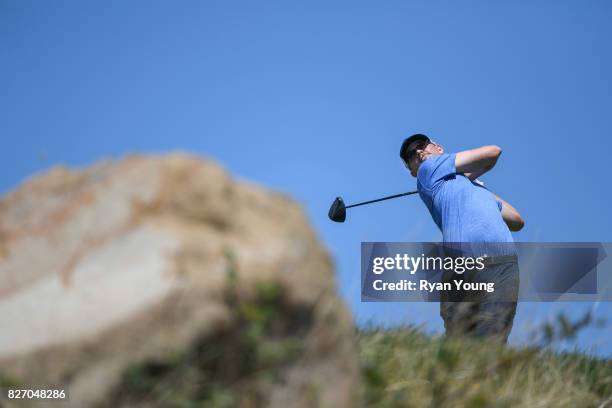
[(406, 368), (401, 367)]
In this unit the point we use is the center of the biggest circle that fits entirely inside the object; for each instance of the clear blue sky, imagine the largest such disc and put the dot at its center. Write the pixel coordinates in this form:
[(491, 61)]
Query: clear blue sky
[(314, 98)]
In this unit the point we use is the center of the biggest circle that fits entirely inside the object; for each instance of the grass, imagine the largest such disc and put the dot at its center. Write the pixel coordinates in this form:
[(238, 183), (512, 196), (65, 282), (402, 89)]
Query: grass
[(406, 368), (401, 367)]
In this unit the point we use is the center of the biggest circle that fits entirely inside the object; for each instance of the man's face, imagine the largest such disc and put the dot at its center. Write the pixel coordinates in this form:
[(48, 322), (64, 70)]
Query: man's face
[(419, 152)]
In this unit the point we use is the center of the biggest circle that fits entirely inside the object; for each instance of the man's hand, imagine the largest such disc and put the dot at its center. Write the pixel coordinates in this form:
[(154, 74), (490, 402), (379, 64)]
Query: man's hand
[(474, 163)]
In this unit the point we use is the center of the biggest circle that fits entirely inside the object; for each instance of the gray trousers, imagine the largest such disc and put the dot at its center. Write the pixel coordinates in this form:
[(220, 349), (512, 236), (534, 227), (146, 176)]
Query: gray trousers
[(483, 314)]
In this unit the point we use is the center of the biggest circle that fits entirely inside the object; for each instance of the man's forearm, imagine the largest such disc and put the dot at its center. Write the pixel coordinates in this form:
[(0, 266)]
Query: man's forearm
[(478, 161), (511, 216)]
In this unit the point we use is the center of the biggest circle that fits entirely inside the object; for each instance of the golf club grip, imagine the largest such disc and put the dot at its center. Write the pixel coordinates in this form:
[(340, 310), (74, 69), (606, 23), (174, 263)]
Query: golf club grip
[(382, 199)]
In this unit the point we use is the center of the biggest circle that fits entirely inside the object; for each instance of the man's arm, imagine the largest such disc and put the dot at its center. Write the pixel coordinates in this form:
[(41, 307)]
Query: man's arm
[(511, 216), (474, 175), (474, 163)]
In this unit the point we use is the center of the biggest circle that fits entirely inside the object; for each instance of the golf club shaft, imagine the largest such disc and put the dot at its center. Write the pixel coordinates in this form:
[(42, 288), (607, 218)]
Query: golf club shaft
[(382, 199)]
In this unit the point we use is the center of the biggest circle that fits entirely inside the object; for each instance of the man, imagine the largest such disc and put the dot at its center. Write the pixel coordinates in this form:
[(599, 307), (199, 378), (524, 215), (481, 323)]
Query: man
[(476, 223)]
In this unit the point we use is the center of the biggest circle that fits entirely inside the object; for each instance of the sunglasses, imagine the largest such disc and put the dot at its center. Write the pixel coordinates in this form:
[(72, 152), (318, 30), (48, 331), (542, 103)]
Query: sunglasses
[(418, 145)]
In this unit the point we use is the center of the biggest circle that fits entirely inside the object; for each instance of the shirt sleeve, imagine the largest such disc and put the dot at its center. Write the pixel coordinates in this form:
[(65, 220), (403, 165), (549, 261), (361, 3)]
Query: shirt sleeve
[(433, 170)]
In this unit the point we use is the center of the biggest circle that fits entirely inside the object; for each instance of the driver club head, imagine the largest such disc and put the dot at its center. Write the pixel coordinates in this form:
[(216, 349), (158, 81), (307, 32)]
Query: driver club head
[(337, 211)]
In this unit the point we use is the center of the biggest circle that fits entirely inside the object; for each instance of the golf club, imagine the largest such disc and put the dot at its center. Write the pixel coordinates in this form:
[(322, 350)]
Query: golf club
[(337, 211)]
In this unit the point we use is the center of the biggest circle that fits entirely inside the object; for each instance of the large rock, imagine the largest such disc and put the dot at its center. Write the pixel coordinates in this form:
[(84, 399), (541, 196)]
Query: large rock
[(160, 280)]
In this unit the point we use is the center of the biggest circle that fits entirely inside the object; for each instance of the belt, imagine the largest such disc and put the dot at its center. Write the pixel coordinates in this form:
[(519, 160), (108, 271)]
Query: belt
[(494, 260)]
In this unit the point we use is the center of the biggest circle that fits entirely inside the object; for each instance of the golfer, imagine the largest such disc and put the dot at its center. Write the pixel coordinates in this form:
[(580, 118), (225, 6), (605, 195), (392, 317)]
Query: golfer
[(475, 222)]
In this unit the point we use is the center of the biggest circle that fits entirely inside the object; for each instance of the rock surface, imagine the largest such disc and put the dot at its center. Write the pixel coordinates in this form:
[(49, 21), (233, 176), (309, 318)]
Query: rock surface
[(107, 274)]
